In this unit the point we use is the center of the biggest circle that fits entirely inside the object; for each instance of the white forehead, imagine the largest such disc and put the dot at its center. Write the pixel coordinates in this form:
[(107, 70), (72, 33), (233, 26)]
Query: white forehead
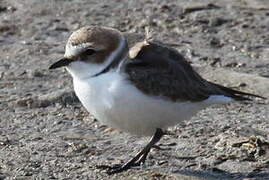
[(75, 50)]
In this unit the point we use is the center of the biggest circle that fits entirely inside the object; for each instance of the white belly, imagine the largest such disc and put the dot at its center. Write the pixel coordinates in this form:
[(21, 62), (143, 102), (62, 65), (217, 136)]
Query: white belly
[(120, 105)]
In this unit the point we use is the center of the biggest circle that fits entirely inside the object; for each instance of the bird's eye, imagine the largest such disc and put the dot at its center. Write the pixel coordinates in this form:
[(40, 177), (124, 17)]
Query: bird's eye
[(86, 54), (89, 52)]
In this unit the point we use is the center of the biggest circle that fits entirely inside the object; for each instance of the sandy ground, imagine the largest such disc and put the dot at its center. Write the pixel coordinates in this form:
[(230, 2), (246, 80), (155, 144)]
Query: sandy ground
[(45, 133)]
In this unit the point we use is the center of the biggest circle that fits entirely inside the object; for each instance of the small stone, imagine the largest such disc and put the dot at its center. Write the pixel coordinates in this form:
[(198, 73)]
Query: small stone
[(215, 42), (35, 73), (217, 21)]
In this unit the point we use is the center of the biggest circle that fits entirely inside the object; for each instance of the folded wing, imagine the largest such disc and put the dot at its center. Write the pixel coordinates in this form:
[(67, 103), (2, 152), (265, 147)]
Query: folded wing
[(158, 70)]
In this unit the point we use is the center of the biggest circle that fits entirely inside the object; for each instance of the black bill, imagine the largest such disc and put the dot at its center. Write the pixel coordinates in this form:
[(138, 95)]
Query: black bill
[(62, 62)]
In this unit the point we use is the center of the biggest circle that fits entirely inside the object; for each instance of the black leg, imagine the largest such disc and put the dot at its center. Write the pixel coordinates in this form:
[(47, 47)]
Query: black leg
[(140, 157)]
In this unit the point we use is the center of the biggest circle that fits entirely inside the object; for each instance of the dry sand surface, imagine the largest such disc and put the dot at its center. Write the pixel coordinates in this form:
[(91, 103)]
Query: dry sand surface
[(45, 133)]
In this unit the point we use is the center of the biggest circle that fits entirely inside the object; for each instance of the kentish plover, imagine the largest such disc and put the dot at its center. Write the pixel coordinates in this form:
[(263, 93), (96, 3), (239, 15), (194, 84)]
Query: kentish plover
[(143, 90)]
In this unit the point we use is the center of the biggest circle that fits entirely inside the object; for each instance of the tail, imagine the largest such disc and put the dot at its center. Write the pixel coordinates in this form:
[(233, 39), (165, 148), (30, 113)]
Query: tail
[(237, 95)]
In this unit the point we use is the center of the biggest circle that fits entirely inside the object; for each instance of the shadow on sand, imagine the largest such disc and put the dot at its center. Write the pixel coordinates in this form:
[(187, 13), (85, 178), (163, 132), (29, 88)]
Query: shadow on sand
[(217, 174)]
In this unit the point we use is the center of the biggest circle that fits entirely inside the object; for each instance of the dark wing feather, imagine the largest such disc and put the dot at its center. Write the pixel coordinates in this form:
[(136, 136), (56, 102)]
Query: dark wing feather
[(161, 71), (237, 95)]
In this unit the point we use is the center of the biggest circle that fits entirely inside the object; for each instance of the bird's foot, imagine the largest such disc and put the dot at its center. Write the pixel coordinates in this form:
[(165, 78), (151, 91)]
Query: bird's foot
[(138, 160), (117, 168)]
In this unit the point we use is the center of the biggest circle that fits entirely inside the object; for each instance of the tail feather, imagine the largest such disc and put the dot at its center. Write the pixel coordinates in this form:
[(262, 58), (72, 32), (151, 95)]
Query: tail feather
[(237, 95)]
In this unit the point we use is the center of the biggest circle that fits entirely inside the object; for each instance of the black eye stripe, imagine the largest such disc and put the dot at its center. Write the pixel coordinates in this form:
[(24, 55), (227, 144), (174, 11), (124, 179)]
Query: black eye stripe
[(89, 52)]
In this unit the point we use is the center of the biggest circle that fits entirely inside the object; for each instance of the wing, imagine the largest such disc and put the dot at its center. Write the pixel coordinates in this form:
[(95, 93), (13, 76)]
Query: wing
[(158, 70)]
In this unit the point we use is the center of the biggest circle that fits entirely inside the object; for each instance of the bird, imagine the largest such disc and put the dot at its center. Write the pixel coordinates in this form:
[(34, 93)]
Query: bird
[(141, 90)]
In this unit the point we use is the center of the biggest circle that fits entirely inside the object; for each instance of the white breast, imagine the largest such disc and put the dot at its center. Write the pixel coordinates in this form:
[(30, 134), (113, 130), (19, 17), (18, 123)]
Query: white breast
[(118, 104)]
